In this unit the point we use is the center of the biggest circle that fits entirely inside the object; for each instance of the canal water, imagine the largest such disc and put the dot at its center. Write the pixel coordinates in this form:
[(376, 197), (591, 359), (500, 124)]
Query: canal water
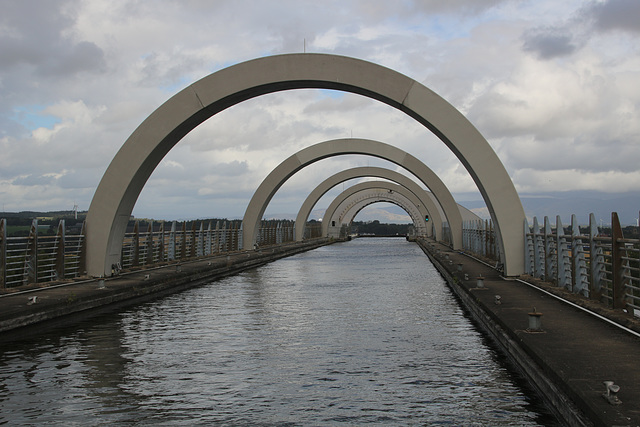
[(364, 332)]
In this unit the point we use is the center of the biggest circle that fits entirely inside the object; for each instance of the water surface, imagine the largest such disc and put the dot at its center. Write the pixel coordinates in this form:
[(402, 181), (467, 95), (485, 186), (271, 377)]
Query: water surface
[(352, 333)]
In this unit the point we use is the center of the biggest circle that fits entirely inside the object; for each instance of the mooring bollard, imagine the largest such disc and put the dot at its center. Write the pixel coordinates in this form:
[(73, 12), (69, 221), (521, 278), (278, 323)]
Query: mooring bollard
[(535, 321), (459, 266), (480, 282), (610, 393)]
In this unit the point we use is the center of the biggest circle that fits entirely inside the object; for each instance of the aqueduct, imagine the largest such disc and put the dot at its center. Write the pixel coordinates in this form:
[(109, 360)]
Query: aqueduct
[(132, 166)]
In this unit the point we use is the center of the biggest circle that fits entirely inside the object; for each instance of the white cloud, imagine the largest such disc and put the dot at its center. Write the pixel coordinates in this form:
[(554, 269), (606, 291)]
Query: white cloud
[(552, 85)]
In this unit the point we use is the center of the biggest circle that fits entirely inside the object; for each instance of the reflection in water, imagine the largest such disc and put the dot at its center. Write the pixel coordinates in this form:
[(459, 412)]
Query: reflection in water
[(358, 332)]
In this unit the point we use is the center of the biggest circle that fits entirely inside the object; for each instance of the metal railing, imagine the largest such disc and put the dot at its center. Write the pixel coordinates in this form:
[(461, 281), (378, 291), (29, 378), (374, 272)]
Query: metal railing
[(37, 258), (479, 238), (604, 268)]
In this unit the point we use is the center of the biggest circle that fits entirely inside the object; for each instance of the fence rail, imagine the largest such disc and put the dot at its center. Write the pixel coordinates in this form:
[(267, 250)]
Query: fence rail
[(603, 268), (479, 238), (38, 258)]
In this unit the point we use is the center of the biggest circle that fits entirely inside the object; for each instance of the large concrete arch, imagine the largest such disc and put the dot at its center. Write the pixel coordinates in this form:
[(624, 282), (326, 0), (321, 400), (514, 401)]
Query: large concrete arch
[(130, 169), (359, 172), (379, 190), (337, 147)]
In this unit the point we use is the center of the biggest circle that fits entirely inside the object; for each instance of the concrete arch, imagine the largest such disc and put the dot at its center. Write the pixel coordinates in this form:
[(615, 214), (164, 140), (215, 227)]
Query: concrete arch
[(337, 147), (382, 191), (373, 199), (130, 169), (359, 172), (373, 196)]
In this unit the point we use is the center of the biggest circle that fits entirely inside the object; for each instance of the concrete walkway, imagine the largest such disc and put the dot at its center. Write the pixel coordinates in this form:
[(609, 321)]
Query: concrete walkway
[(575, 351)]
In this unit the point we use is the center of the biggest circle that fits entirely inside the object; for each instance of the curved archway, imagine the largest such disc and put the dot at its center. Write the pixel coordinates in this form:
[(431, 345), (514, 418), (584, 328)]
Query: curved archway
[(326, 185), (337, 147), (382, 191), (350, 216), (125, 177)]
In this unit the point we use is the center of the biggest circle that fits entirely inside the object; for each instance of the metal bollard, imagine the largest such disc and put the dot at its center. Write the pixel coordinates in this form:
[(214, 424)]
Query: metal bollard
[(535, 321)]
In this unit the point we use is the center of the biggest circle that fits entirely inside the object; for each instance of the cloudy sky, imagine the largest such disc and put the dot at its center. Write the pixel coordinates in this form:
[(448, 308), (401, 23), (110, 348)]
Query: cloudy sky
[(554, 86)]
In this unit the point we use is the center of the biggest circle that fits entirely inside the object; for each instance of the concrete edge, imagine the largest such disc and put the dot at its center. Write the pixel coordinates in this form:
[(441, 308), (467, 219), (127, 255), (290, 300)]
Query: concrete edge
[(67, 310), (549, 388)]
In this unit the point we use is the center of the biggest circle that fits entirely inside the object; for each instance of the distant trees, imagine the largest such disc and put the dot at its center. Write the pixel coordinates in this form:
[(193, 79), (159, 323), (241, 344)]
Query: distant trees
[(378, 229)]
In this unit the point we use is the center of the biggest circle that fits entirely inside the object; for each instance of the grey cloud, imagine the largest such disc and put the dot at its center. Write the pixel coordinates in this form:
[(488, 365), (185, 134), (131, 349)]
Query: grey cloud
[(33, 36), (83, 57), (567, 38), (31, 180), (616, 15), (549, 43), (454, 6)]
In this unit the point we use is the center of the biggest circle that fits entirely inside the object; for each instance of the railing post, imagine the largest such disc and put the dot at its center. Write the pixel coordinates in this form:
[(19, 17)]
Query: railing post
[(183, 241), (3, 253), (563, 262), (549, 273), (537, 250), (31, 255), (232, 236), (617, 264), (82, 250), (223, 237), (149, 244), (194, 243), (60, 249), (172, 242), (596, 259), (240, 240), (217, 237), (579, 275), (529, 253), (207, 240), (161, 250), (135, 261)]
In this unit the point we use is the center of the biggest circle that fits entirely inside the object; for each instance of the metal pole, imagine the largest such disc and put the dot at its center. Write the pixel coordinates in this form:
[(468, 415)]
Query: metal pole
[(616, 263)]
